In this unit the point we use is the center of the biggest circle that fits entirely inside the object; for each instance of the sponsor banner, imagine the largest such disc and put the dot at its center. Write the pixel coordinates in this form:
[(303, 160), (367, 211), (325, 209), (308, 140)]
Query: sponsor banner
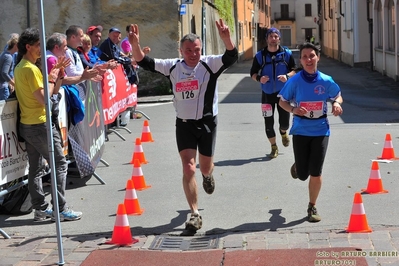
[(13, 156), (88, 137), (117, 94)]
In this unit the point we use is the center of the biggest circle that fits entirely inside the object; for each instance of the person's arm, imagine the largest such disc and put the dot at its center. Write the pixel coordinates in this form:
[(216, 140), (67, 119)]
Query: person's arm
[(87, 74), (337, 106), (6, 69), (53, 86), (286, 106), (291, 67), (255, 69), (134, 40), (224, 33), (85, 62)]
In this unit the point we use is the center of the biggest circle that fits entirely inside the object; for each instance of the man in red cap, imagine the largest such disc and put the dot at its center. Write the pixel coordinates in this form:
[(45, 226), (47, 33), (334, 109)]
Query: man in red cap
[(94, 33)]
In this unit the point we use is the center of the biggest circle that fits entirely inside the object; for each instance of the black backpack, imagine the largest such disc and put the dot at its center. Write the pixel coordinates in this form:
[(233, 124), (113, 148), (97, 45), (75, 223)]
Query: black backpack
[(17, 202)]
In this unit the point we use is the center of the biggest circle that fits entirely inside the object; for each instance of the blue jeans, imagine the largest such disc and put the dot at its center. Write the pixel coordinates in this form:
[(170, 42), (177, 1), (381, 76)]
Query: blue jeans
[(37, 148), (4, 91)]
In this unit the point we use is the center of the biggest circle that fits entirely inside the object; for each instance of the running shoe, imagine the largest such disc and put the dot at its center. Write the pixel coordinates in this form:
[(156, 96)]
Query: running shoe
[(41, 215), (313, 216), (274, 152), (293, 171), (208, 183), (69, 215), (194, 223), (285, 138)]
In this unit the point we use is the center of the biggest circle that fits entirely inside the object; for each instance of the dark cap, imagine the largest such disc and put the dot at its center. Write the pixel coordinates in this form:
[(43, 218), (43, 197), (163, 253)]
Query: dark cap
[(114, 29), (273, 30), (92, 28)]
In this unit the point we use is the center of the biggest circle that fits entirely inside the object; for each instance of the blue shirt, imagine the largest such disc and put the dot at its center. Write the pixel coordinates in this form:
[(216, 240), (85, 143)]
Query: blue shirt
[(93, 56), (300, 91)]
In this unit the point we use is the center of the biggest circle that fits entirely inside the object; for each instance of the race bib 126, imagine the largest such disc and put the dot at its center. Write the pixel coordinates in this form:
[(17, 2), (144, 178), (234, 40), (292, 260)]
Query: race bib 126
[(187, 89)]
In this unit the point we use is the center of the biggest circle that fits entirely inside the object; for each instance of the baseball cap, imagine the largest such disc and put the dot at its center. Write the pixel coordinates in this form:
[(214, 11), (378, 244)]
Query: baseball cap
[(273, 30), (92, 28), (114, 29)]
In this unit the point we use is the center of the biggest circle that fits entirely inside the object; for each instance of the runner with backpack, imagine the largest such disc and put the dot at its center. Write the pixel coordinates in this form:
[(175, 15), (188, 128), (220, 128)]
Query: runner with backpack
[(272, 67)]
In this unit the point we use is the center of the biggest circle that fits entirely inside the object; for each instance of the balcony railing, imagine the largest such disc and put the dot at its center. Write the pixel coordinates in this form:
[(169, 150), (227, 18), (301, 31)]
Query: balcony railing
[(284, 16)]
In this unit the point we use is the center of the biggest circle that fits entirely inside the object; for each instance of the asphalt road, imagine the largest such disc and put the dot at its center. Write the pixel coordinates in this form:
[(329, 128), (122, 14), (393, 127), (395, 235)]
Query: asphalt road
[(252, 192)]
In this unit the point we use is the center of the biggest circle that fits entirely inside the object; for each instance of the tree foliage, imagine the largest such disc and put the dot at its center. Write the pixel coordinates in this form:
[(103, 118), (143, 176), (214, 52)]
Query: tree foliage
[(225, 9)]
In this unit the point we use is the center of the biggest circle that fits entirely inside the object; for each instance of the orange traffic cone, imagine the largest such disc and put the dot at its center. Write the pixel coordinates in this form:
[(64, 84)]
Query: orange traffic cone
[(146, 133), (131, 202), (375, 182), (358, 220), (121, 234), (388, 153), (138, 153), (138, 177)]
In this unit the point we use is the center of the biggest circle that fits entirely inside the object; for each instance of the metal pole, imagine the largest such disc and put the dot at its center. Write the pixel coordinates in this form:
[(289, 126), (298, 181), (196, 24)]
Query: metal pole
[(203, 32), (50, 133), (28, 13)]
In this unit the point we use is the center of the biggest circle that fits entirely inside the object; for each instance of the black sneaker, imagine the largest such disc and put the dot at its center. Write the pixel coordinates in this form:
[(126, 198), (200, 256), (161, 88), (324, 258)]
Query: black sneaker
[(293, 171), (208, 183), (194, 223), (313, 216)]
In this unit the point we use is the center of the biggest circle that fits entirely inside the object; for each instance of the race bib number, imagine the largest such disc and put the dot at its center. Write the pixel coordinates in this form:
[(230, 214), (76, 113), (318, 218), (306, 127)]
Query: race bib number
[(267, 110), (187, 89), (315, 109)]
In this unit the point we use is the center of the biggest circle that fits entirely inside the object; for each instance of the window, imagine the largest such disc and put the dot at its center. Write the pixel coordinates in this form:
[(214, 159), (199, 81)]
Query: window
[(284, 11), (379, 24), (308, 34), (308, 10), (193, 27), (391, 26)]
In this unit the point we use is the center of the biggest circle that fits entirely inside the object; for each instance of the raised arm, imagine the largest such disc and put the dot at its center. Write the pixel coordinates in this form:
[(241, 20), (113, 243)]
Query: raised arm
[(224, 33), (134, 40)]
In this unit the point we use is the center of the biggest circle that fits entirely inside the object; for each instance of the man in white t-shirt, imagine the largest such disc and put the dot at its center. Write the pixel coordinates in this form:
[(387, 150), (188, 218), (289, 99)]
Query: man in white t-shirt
[(74, 39)]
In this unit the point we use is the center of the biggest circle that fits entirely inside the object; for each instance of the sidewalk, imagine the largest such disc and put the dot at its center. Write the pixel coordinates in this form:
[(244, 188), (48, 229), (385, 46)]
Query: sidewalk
[(258, 247), (294, 246)]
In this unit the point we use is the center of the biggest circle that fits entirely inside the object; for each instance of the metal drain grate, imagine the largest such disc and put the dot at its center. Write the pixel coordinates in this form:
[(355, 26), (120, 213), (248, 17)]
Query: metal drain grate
[(184, 243)]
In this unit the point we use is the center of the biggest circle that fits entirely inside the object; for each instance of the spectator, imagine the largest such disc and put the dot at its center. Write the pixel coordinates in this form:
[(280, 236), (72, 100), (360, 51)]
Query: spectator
[(32, 127), (84, 50), (312, 39), (110, 49), (56, 47), (74, 39), (15, 55), (94, 33), (6, 68)]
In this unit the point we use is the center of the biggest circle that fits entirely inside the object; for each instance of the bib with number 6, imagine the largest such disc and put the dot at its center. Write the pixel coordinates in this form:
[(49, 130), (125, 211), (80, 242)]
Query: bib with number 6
[(187, 89)]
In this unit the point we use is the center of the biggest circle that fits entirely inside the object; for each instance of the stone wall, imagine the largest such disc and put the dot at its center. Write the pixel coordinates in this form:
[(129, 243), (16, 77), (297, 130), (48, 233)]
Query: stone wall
[(158, 20)]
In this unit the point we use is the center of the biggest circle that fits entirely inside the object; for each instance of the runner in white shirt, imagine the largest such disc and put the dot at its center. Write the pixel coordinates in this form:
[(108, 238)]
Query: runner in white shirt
[(194, 82)]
